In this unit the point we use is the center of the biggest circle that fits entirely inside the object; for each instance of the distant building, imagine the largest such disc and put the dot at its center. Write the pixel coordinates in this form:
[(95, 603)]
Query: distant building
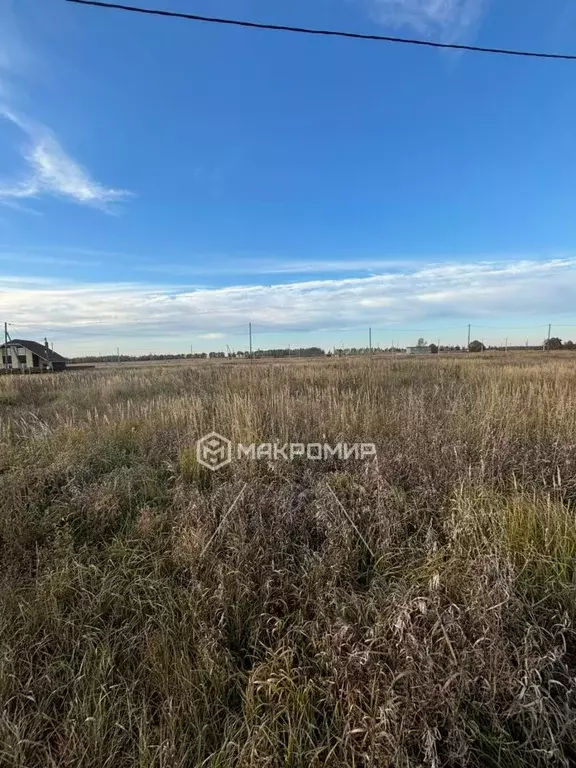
[(418, 351), (30, 356)]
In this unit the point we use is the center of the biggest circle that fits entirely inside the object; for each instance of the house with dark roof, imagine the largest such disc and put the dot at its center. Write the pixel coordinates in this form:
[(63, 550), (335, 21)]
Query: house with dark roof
[(30, 356)]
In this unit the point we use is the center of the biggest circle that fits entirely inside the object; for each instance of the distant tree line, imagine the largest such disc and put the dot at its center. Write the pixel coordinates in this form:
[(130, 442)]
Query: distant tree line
[(127, 358), (553, 344), (257, 353), (288, 352), (475, 346), (556, 343)]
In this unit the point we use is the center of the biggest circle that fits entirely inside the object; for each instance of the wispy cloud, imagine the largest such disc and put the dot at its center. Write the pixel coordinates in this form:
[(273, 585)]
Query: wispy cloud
[(429, 296), (15, 257), (216, 266), (221, 265), (50, 171), (19, 207), (450, 20)]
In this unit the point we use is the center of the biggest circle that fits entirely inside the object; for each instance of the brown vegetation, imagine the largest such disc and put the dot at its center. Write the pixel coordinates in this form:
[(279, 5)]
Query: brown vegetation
[(141, 626)]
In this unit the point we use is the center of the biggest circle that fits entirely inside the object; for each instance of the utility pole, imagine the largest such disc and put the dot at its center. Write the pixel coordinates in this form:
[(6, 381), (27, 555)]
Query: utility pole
[(250, 338), (6, 346), (47, 352), (549, 334), (370, 339), (468, 347), (506, 347), (118, 353)]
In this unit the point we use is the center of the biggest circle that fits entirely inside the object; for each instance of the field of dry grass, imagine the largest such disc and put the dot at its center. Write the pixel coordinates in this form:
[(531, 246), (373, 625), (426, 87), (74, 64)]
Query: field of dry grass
[(414, 610)]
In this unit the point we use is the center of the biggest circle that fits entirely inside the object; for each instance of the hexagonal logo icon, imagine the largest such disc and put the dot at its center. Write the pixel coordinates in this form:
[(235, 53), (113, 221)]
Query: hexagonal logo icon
[(214, 451)]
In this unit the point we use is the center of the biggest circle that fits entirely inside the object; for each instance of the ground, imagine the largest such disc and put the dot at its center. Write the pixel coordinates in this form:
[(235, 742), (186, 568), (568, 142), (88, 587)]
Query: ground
[(415, 609)]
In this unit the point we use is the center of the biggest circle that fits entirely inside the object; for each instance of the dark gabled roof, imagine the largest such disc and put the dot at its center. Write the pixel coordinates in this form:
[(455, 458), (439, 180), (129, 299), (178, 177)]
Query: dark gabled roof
[(37, 349)]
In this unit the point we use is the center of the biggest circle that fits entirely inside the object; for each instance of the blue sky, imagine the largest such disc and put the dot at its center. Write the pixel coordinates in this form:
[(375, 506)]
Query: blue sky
[(163, 182)]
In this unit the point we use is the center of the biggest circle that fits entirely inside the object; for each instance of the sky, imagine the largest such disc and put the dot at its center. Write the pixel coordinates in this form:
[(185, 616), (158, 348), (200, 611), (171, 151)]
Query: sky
[(164, 183)]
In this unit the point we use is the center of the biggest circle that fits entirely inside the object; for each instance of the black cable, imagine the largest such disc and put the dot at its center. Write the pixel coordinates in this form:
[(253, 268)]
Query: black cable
[(325, 32)]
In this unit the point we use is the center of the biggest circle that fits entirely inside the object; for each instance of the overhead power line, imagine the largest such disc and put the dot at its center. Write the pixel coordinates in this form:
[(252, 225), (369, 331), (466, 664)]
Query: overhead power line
[(325, 32)]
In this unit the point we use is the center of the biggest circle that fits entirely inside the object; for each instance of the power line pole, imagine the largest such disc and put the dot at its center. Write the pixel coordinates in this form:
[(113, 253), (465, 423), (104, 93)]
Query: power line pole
[(118, 353), (549, 334), (468, 347), (506, 348), (6, 346), (250, 338), (370, 339)]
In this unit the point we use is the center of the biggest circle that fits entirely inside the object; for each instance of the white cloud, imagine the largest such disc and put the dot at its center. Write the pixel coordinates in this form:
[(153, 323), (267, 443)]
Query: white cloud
[(52, 172), (58, 261), (49, 169), (449, 20), (215, 265), (424, 297), (19, 207)]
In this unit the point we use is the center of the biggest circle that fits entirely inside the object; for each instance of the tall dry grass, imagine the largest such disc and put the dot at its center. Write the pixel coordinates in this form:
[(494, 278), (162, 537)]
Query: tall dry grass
[(417, 610)]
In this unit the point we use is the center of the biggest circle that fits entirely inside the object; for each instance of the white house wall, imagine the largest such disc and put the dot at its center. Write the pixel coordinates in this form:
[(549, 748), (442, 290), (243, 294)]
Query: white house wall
[(15, 352)]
